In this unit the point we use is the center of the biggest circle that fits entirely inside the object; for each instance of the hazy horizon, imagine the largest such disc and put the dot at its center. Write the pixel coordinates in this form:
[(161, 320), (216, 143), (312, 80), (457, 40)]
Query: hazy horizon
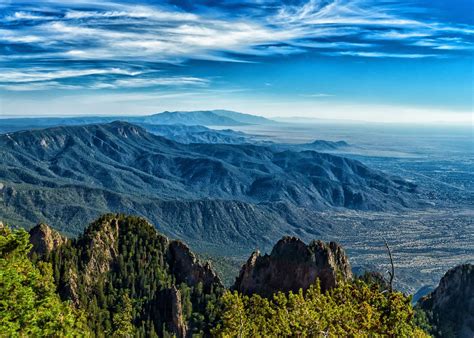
[(295, 119), (360, 60)]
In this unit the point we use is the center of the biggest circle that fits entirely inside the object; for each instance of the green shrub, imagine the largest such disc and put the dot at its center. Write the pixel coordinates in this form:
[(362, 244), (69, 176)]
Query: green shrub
[(352, 309), (29, 304)]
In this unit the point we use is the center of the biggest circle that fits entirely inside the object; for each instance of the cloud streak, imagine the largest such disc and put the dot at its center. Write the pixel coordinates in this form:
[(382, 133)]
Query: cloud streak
[(114, 31)]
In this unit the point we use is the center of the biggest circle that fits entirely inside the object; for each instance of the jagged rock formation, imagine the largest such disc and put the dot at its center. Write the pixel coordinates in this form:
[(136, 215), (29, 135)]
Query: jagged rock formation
[(187, 269), (293, 265), (450, 306), (120, 254), (44, 239), (102, 242), (177, 323)]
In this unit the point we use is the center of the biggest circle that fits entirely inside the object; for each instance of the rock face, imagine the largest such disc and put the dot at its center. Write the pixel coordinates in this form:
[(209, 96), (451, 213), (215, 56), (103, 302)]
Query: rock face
[(102, 241), (44, 239), (177, 324), (119, 254), (187, 269), (293, 265), (451, 304)]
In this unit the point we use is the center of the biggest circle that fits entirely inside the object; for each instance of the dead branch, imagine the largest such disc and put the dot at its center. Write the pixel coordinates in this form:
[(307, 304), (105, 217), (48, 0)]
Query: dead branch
[(392, 272)]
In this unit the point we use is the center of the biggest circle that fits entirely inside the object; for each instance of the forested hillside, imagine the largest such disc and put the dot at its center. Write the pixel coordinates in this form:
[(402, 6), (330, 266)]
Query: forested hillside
[(231, 193), (122, 278), (121, 271)]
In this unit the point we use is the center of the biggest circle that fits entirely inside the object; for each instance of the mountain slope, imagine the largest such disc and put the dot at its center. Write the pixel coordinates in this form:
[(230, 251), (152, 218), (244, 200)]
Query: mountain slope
[(243, 118), (199, 134), (186, 118), (451, 305), (200, 117), (123, 259), (67, 174), (129, 280)]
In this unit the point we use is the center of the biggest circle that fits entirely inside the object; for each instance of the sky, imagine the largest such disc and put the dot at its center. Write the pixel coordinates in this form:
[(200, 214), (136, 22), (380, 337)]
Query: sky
[(383, 61)]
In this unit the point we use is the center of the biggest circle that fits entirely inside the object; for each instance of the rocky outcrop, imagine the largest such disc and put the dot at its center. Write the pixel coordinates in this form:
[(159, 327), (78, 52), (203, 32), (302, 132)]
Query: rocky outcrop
[(451, 304), (293, 265), (177, 324), (101, 239), (186, 268), (119, 254), (44, 239)]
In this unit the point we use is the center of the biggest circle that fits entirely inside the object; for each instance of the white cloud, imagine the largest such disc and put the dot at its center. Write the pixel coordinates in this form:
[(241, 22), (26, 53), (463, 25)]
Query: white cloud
[(35, 86), (25, 16), (445, 44), (144, 82), (18, 81), (169, 35), (137, 12), (85, 31), (317, 95), (42, 74), (18, 37), (397, 35), (382, 55)]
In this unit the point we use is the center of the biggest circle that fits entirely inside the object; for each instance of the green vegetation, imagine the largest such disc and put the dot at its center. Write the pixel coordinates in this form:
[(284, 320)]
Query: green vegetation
[(29, 304), (119, 277), (119, 274), (226, 267), (349, 310)]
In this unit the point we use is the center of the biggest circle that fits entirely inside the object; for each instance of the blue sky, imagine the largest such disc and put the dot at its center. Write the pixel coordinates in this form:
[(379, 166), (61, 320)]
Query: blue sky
[(408, 61)]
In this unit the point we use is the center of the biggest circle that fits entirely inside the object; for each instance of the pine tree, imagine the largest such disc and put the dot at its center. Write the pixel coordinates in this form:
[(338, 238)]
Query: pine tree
[(29, 305), (123, 326), (352, 309)]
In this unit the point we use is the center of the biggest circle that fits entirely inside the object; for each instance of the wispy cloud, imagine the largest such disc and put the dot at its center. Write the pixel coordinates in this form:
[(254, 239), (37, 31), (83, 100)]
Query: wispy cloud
[(382, 55), (317, 95), (43, 74), (23, 84), (84, 31)]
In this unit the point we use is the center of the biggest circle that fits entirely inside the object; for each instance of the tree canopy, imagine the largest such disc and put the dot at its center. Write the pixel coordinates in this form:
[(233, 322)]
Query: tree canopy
[(29, 304), (352, 309)]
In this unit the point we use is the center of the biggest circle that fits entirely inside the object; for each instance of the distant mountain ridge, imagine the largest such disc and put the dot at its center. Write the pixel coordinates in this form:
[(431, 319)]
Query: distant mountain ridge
[(243, 118), (199, 134), (205, 118), (188, 118), (232, 193)]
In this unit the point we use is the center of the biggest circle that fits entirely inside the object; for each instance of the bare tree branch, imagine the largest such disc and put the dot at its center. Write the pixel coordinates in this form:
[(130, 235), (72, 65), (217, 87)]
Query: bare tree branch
[(392, 272)]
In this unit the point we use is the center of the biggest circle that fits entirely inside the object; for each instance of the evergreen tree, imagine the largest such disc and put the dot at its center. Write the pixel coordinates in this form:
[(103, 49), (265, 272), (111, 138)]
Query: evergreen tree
[(349, 310), (29, 305), (123, 326)]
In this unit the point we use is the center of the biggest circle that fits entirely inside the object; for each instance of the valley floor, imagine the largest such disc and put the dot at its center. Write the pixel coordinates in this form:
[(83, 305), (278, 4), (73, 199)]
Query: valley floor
[(425, 244)]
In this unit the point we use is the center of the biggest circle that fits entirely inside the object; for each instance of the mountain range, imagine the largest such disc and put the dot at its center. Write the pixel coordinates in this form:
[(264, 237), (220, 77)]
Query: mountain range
[(204, 117), (180, 126), (189, 118), (199, 134), (212, 194)]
